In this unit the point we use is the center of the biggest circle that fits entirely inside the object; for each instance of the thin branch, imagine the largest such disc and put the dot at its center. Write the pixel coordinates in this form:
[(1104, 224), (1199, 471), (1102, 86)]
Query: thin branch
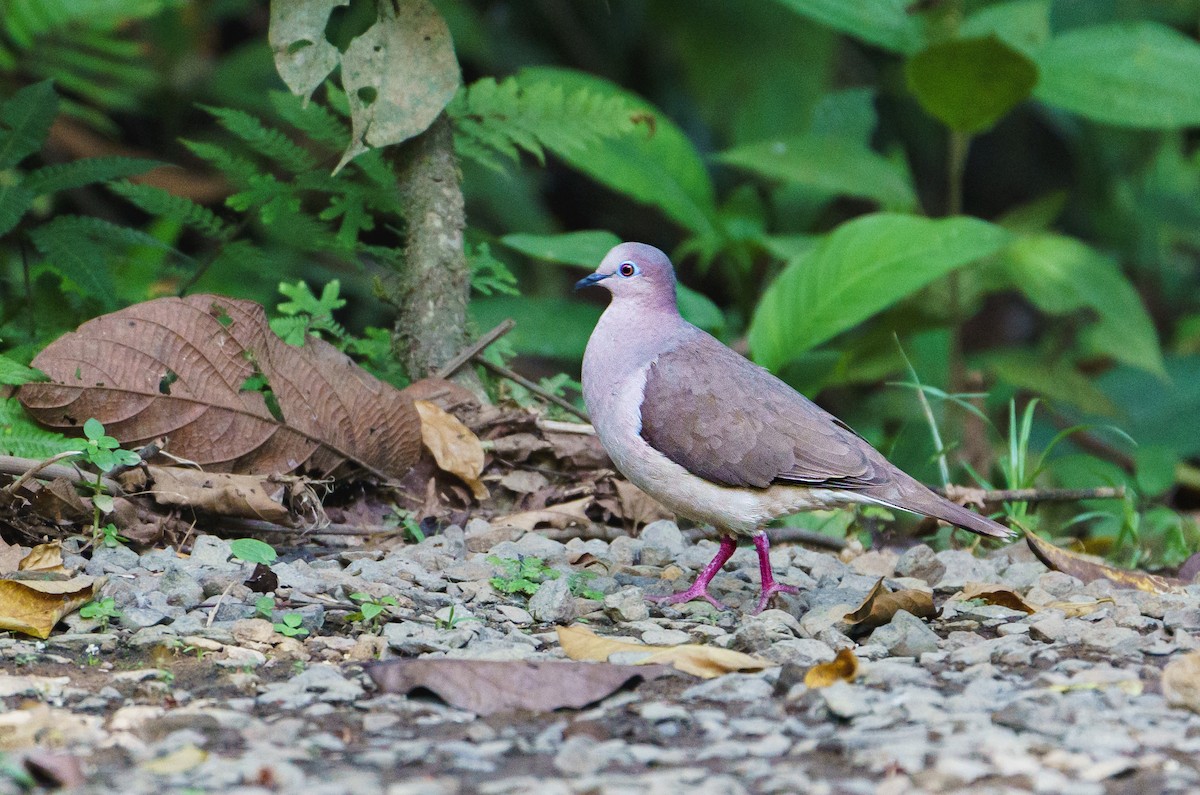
[(44, 470), (474, 349), (545, 394), (980, 496)]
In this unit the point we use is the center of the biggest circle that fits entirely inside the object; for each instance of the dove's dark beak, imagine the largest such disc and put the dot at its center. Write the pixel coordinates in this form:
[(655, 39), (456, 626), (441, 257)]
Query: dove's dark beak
[(589, 281)]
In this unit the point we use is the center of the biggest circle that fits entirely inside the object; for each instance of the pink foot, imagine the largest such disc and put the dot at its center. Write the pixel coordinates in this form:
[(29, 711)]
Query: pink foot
[(769, 586), (699, 589)]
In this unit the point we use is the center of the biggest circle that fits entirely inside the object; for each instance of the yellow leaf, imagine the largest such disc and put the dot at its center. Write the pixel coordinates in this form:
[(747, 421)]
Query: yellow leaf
[(35, 606), (44, 558), (180, 760), (1087, 570), (454, 447), (1079, 609), (842, 668), (1181, 681), (703, 661)]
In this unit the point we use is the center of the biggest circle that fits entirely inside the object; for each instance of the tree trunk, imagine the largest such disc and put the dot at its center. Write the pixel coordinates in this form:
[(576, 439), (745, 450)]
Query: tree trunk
[(435, 282)]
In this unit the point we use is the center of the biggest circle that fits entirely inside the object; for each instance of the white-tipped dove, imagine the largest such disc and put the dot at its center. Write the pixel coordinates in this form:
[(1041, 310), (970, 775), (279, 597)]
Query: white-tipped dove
[(716, 438)]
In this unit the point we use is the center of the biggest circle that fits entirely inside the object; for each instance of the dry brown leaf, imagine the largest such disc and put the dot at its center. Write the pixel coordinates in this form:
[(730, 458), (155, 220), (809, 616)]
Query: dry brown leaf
[(1181, 681), (1087, 570), (178, 368), (561, 516), (220, 493), (842, 668), (33, 607), (880, 605), (11, 556), (46, 558), (1080, 609), (486, 687), (706, 662), (994, 595), (638, 507), (455, 448)]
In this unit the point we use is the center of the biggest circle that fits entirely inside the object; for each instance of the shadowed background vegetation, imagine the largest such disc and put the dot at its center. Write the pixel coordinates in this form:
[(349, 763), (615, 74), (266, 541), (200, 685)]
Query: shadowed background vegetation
[(975, 203)]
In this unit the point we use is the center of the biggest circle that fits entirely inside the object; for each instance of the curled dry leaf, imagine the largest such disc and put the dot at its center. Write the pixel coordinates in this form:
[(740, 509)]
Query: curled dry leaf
[(880, 605), (45, 558), (1181, 681), (207, 373), (220, 493), (842, 668), (560, 516), (703, 661), (1087, 570), (994, 595), (1080, 609), (486, 687), (33, 607), (454, 447)]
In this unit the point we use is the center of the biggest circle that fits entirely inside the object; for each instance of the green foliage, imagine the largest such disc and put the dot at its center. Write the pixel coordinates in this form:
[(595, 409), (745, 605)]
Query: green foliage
[(103, 610), (886, 23), (289, 625), (108, 536), (372, 612), (264, 607), (103, 451), (251, 550), (21, 437), (970, 84), (511, 116), (522, 574)]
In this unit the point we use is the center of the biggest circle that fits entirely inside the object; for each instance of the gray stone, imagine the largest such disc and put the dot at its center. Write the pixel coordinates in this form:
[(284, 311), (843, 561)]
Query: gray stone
[(1060, 585), (317, 682), (553, 603), (1186, 618), (921, 563), (108, 560), (1023, 573), (663, 533), (760, 632), (906, 636), (624, 550), (730, 688), (803, 652), (844, 700), (961, 568), (627, 604), (213, 552), (532, 545), (180, 587), (697, 556)]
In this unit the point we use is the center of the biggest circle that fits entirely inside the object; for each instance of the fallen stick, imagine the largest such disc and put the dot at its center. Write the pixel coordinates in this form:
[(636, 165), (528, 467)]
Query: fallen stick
[(516, 377), (474, 349), (978, 496)]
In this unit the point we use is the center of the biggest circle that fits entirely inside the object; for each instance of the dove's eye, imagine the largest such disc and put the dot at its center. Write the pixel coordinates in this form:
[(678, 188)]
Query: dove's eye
[(628, 269)]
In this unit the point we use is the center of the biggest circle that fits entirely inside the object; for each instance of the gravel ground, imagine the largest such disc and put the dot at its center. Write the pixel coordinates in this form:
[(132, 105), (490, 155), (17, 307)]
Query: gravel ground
[(193, 692)]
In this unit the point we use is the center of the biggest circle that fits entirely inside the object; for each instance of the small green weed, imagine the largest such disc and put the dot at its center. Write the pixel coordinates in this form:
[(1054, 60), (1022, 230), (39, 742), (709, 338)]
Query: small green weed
[(289, 626), (371, 611), (251, 550), (264, 607), (526, 574), (103, 610), (105, 454)]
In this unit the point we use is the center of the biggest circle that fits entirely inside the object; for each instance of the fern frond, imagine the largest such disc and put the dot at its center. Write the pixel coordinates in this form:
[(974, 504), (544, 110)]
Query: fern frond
[(104, 233), (26, 117), (508, 117), (86, 171), (157, 201), (19, 436), (74, 257), (13, 373), (270, 143), (313, 119), (239, 170)]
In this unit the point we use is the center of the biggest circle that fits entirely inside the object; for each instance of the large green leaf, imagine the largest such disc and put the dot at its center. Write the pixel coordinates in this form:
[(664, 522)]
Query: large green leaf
[(1137, 75), (1158, 413), (1022, 24), (658, 166), (1061, 275), (1057, 380), (886, 23), (826, 163), (584, 249), (553, 327), (26, 118), (969, 84), (14, 202), (863, 267)]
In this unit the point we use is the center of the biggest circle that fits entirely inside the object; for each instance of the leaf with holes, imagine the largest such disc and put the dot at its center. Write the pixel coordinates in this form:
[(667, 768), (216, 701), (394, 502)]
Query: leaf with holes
[(315, 409)]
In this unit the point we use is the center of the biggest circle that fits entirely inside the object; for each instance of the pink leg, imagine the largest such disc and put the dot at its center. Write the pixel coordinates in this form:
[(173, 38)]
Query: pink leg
[(769, 586), (699, 589)]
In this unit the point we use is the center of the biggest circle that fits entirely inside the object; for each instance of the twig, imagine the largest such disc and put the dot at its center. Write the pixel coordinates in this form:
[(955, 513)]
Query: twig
[(263, 526), (212, 614), (474, 349), (38, 467), (558, 426), (1031, 495), (511, 375), (12, 465)]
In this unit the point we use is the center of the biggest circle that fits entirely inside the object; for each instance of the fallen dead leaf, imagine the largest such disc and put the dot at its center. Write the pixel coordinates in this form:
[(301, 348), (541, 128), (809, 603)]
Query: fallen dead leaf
[(455, 448), (880, 605), (1080, 609), (486, 687), (1181, 681), (208, 373), (1087, 570), (706, 662), (842, 668), (180, 760), (561, 516), (11, 556), (46, 558), (33, 607), (993, 595), (220, 493)]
